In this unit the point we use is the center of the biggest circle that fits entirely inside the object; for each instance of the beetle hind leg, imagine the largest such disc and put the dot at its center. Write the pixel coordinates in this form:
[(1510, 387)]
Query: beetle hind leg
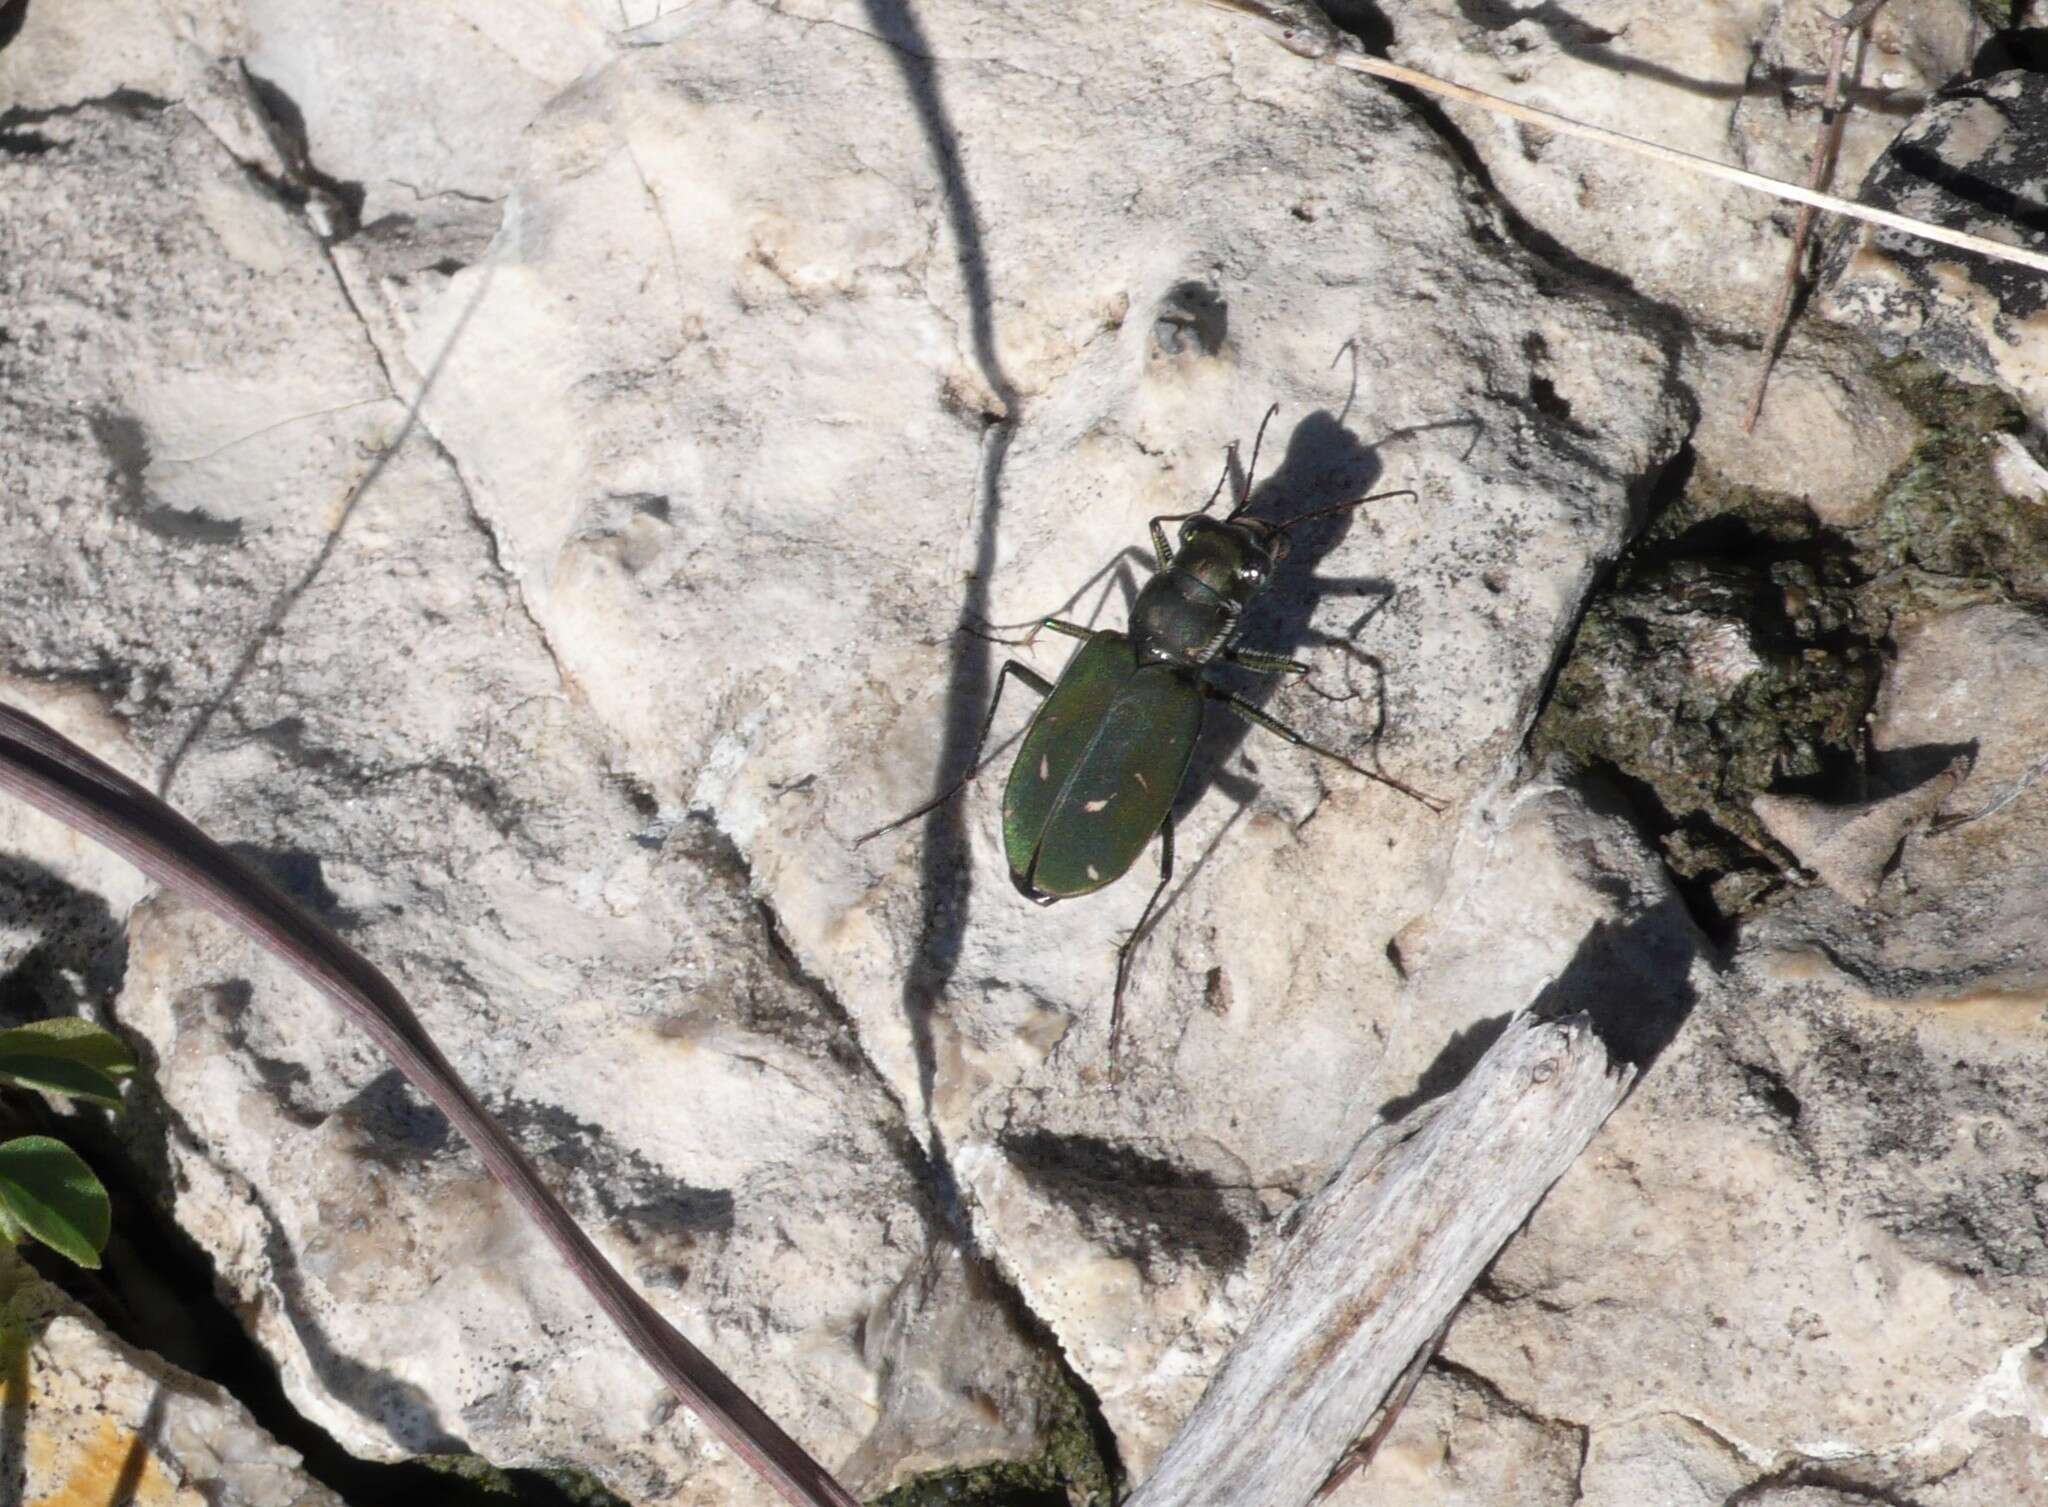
[(1031, 678), (1274, 725), (1125, 952)]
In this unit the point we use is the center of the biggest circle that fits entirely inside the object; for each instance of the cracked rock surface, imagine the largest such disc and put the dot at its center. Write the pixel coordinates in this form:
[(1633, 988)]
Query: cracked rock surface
[(1968, 161), (544, 479), (89, 1419)]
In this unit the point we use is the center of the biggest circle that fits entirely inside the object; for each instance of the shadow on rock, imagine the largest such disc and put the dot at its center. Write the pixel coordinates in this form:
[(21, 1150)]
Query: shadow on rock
[(1142, 1208)]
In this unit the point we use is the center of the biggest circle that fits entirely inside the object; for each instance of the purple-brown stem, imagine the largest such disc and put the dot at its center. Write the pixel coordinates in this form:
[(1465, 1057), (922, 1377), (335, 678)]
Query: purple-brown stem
[(56, 776)]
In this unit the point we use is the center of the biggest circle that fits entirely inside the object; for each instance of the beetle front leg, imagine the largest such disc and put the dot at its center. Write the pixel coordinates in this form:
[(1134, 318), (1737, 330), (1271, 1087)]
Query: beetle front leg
[(1258, 718), (1123, 953), (1161, 549), (1031, 678), (1060, 625), (1265, 664)]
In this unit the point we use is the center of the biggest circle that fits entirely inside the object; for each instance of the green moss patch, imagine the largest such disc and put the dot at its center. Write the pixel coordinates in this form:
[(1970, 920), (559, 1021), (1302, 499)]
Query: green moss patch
[(1740, 644), (1071, 1472)]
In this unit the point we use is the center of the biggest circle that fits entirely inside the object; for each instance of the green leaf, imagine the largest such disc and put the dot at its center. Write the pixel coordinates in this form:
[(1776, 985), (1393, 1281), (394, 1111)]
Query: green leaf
[(51, 1194), (72, 1039), (54, 1075)]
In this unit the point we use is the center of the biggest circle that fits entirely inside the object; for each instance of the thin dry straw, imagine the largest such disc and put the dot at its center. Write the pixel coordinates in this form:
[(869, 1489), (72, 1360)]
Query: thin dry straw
[(1305, 32)]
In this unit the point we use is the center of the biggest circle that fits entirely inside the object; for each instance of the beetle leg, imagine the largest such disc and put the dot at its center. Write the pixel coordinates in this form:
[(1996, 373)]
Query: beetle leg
[(1058, 625), (1123, 953), (1258, 718), (1030, 677), (1072, 630), (1265, 664), (1161, 549)]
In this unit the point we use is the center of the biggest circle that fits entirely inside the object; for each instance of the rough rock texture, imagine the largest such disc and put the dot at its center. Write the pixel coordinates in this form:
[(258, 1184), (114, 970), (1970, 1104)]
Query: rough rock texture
[(86, 1419), (523, 472), (1734, 80), (1663, 1458), (725, 503), (1971, 161), (806, 564), (1957, 915), (1458, 1444), (239, 571), (1851, 847)]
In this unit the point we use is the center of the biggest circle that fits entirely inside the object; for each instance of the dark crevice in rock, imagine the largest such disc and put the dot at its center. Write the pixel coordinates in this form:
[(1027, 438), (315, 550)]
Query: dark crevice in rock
[(19, 140), (157, 1290), (1500, 1401), (1653, 494), (1738, 645), (134, 102), (1770, 1089), (1831, 1477), (701, 840), (303, 180), (1730, 653)]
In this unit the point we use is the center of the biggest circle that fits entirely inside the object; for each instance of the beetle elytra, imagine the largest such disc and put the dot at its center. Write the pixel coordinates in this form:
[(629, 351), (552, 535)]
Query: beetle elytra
[(1105, 756)]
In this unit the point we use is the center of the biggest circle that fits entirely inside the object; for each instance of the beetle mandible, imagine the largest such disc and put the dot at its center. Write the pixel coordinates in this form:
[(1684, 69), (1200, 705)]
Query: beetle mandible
[(1106, 754)]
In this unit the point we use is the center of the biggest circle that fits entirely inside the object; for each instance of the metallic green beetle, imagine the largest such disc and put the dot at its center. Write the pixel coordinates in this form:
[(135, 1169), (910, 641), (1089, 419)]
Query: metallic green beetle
[(1107, 752)]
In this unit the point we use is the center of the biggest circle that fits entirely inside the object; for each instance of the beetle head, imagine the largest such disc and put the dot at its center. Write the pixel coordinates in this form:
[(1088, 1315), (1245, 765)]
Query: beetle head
[(1232, 557)]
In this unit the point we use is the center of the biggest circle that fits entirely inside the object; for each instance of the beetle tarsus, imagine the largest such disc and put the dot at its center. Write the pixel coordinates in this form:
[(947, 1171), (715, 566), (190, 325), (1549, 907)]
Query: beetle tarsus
[(1031, 678), (1274, 725), (1125, 953)]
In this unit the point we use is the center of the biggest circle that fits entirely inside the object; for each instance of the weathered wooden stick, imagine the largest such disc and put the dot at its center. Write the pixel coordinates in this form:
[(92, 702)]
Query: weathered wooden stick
[(43, 767), (1383, 1256)]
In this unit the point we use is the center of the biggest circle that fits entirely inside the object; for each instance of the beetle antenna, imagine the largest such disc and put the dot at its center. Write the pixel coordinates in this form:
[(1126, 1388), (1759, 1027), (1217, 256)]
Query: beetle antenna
[(1229, 462), (1338, 507), (1244, 498)]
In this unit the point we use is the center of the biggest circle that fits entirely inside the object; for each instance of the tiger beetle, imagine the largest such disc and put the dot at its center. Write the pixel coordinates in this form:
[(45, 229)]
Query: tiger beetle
[(1108, 750)]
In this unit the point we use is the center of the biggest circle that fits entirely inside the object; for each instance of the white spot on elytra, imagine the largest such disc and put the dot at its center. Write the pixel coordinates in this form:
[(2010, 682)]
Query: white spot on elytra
[(1093, 872), (1093, 806), (1139, 776), (1044, 768)]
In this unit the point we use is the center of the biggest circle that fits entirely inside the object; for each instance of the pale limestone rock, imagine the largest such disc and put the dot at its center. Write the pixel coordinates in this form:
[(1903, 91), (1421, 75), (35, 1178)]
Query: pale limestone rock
[(704, 483), (1731, 80), (2008, 1465), (204, 446), (1750, 1245), (415, 105), (758, 593), (89, 49), (1728, 79), (1827, 435), (958, 1386), (1850, 846), (1959, 916), (1457, 1445), (1970, 161), (2019, 473), (1663, 1460), (90, 1420)]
